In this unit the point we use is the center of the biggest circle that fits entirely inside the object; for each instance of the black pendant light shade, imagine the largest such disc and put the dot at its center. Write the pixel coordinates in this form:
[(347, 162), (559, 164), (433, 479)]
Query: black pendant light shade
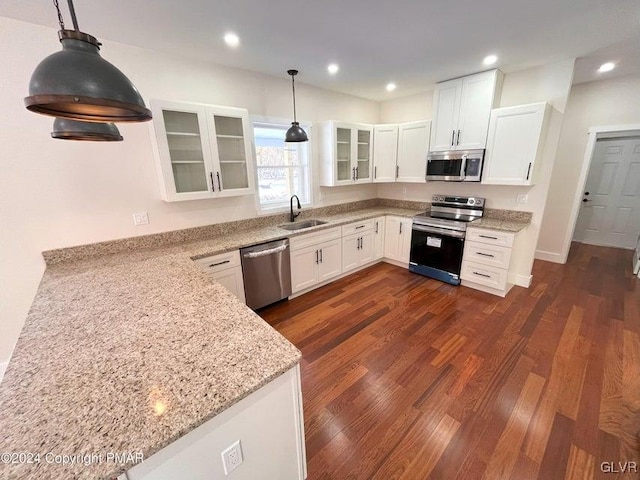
[(67, 129), (295, 132), (77, 83)]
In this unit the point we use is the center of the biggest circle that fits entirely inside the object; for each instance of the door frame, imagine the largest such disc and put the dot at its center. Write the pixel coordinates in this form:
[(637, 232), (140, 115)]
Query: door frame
[(595, 134)]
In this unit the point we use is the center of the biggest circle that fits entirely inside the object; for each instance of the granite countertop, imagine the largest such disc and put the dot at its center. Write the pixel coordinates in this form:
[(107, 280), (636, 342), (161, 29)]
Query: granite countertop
[(128, 352), (503, 225)]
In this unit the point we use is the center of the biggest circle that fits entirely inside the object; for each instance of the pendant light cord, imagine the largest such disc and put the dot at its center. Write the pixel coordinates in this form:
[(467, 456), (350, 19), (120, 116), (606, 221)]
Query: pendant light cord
[(293, 85), (72, 10)]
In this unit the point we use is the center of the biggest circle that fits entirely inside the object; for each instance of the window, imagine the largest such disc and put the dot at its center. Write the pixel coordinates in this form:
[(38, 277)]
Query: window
[(283, 168)]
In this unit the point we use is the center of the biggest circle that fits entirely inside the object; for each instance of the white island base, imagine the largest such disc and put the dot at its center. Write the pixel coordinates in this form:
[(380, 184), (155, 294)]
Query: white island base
[(269, 425)]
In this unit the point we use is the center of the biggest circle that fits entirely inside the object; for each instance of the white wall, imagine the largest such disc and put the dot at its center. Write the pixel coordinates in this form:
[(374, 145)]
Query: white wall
[(605, 102), (57, 194), (550, 83)]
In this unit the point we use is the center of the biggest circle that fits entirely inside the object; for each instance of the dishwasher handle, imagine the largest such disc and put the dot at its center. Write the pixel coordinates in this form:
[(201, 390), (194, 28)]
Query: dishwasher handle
[(262, 253)]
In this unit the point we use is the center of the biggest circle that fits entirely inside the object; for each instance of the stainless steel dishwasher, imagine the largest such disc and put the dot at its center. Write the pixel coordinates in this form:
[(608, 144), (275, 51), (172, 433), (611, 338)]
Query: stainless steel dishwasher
[(266, 269)]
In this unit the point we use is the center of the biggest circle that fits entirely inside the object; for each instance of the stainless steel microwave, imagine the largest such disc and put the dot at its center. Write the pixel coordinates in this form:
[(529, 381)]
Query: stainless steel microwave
[(455, 165)]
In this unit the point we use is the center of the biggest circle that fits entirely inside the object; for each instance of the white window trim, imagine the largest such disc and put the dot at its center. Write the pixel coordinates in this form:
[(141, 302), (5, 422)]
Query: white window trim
[(307, 126)]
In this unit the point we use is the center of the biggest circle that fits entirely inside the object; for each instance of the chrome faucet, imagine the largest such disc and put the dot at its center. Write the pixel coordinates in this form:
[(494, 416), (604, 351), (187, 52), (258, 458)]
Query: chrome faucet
[(292, 216)]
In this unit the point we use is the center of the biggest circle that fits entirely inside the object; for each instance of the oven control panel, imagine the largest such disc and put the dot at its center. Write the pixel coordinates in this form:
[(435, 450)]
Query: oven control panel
[(458, 201)]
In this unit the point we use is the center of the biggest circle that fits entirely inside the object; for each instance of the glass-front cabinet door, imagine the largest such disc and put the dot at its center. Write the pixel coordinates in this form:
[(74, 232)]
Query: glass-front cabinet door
[(363, 159), (231, 147), (344, 147), (202, 151), (346, 152)]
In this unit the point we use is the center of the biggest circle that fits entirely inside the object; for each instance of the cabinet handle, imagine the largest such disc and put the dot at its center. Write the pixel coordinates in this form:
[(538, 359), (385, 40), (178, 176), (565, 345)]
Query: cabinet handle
[(453, 136), (482, 275), (317, 257), (359, 226), (401, 228), (489, 237), (397, 171), (213, 186), (376, 227), (320, 255), (485, 254), (219, 263), (353, 174), (375, 172), (528, 170), (219, 184), (357, 176), (458, 140)]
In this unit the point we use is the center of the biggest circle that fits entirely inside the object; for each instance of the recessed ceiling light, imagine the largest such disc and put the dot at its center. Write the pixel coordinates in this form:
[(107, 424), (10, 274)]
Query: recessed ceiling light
[(231, 39), (391, 87), (490, 60), (607, 67), (333, 68)]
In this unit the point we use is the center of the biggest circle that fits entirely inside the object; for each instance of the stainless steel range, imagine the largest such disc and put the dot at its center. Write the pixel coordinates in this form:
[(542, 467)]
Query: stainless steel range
[(437, 237)]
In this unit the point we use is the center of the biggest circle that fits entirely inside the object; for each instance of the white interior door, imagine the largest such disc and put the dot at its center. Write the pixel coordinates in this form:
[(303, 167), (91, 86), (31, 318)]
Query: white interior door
[(610, 212)]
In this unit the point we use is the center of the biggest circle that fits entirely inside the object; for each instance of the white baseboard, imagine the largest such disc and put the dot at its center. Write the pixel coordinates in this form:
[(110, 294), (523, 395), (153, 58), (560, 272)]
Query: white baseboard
[(3, 367), (522, 280), (549, 256)]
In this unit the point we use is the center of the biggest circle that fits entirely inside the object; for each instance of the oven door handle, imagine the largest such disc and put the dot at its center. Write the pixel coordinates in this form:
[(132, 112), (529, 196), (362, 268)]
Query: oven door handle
[(441, 231)]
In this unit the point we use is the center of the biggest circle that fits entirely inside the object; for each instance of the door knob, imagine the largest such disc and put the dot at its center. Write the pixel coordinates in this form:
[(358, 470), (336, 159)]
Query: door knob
[(586, 193)]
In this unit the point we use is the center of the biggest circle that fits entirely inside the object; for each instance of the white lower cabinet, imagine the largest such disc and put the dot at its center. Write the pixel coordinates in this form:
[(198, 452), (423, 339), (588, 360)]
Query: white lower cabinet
[(378, 237), (486, 260), (397, 242), (225, 269), (357, 245), (321, 256), (315, 258)]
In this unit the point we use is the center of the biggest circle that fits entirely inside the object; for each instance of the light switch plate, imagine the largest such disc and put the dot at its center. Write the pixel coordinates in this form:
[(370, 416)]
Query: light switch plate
[(141, 218), (522, 198)]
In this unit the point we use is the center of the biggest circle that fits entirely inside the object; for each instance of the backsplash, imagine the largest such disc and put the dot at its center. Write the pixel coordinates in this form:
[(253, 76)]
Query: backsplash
[(158, 240)]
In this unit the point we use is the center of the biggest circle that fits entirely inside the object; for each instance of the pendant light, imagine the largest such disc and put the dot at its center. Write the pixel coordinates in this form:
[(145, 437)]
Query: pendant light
[(295, 132), (77, 83), (67, 129)]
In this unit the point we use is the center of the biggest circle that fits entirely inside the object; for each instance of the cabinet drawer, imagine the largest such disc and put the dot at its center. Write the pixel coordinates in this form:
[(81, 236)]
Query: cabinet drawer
[(484, 275), (309, 239), (216, 263), (358, 227), (485, 254), (490, 237)]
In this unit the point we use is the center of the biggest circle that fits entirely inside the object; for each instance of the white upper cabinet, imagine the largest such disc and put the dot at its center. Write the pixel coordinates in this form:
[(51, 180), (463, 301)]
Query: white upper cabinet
[(413, 146), (385, 153), (346, 152), (461, 111), (400, 152), (202, 151), (514, 144)]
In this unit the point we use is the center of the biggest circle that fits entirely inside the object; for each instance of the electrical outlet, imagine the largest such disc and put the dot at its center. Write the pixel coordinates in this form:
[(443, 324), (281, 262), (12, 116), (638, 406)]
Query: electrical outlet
[(232, 457), (522, 198), (141, 218)]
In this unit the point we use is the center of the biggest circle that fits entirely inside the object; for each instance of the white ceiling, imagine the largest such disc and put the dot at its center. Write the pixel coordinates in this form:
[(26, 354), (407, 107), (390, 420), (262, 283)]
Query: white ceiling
[(413, 43)]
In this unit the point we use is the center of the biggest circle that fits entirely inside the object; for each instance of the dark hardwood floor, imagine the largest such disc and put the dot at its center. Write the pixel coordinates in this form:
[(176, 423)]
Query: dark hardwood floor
[(406, 377)]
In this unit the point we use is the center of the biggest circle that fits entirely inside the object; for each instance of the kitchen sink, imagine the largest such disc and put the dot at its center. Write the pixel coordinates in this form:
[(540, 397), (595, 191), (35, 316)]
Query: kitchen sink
[(303, 224)]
